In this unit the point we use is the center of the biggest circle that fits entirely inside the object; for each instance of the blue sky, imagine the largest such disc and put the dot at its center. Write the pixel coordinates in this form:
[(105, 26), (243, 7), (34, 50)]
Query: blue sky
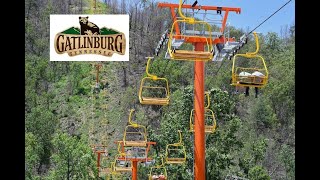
[(253, 12)]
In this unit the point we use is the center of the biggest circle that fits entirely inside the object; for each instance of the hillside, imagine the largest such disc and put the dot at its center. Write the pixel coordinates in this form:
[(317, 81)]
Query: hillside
[(64, 116)]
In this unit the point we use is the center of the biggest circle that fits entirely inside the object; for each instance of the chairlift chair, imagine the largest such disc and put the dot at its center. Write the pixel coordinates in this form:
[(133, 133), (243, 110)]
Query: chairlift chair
[(210, 120), (135, 134), (132, 152), (153, 90), (239, 76), (158, 170), (103, 169), (135, 152), (122, 165), (112, 174), (176, 153), (176, 40)]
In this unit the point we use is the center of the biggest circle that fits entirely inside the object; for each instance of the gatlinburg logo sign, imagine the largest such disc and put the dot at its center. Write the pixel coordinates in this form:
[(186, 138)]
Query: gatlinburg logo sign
[(89, 38)]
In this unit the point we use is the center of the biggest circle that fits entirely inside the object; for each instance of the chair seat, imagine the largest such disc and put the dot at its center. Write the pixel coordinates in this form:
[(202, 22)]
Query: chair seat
[(250, 81), (126, 169), (208, 129), (155, 101), (135, 143), (193, 55), (176, 160)]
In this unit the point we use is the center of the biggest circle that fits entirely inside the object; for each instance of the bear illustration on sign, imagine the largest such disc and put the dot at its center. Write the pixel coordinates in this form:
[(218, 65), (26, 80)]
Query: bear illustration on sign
[(88, 28)]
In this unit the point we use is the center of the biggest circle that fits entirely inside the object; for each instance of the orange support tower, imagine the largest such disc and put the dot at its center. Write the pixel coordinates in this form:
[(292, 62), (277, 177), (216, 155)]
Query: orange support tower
[(99, 149), (98, 66), (133, 159), (199, 67)]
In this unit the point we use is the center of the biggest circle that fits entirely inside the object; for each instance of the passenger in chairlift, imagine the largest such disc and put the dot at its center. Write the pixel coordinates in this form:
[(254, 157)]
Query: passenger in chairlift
[(159, 177), (243, 75), (258, 74), (162, 177), (258, 79), (155, 177)]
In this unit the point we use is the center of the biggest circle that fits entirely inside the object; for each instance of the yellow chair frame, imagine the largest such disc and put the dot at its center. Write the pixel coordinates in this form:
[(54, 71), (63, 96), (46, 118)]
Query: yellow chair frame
[(135, 126), (191, 55), (103, 169), (187, 54), (176, 147), (208, 113), (114, 174), (118, 168), (249, 81), (161, 166), (153, 100)]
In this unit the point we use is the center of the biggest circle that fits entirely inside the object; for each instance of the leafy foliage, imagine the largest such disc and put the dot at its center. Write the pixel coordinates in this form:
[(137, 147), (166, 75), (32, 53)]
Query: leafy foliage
[(64, 116), (258, 173), (72, 158)]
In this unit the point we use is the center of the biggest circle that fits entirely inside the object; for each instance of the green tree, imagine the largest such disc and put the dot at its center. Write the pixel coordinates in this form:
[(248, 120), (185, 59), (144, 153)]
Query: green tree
[(258, 173), (254, 153), (72, 158), (263, 114), (42, 124), (287, 157), (32, 151)]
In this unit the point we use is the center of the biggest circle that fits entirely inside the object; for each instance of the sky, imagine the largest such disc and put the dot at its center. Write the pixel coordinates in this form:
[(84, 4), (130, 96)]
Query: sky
[(253, 12)]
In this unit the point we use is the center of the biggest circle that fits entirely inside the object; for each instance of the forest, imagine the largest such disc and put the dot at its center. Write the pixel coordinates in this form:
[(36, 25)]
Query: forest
[(254, 138)]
